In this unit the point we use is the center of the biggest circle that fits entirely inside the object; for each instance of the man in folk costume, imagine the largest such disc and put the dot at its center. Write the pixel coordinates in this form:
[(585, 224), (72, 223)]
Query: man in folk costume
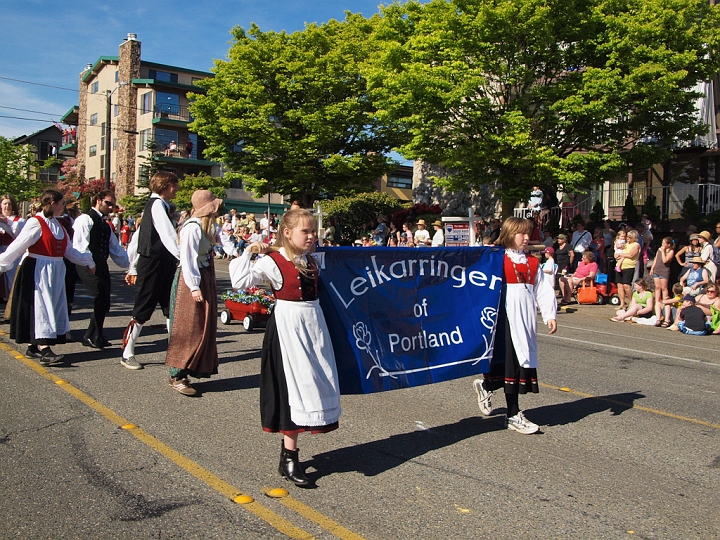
[(515, 354), (192, 347), (39, 313), (93, 234), (158, 255)]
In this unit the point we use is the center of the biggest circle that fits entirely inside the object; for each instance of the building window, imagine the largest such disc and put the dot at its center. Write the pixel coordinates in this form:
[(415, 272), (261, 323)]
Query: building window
[(167, 103), (402, 182), (236, 184), (102, 162), (102, 136), (144, 139), (95, 87), (163, 76), (146, 105), (163, 138), (93, 119), (116, 109), (48, 175), (114, 144), (46, 149), (117, 75), (92, 150)]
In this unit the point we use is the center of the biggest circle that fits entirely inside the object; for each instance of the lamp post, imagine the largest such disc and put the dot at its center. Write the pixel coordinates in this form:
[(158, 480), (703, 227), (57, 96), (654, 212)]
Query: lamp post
[(108, 131)]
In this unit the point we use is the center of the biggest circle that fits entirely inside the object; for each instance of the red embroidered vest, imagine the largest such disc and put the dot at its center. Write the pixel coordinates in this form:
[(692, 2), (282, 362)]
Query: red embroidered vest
[(521, 273), (48, 245), (292, 283), (6, 239)]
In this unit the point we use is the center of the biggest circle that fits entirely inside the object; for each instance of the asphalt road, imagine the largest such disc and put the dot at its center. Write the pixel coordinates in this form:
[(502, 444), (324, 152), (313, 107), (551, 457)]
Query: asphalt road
[(630, 445)]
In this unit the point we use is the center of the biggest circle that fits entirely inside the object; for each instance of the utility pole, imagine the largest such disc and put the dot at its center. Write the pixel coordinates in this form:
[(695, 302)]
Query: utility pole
[(108, 141)]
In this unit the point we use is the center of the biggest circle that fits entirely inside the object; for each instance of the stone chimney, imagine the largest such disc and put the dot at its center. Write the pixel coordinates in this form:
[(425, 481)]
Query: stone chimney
[(128, 69)]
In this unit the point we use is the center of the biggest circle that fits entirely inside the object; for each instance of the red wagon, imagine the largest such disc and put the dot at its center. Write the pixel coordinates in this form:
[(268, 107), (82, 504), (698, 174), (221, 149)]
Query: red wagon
[(252, 307)]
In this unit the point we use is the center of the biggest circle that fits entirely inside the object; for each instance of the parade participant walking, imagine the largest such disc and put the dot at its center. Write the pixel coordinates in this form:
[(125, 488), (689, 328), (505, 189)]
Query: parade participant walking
[(192, 348), (515, 367), (93, 234), (10, 226), (298, 377), (39, 313), (158, 254)]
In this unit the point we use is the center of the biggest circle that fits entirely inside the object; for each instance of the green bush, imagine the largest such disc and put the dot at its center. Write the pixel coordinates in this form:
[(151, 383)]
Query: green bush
[(691, 210), (353, 212), (630, 212), (597, 215), (651, 208)]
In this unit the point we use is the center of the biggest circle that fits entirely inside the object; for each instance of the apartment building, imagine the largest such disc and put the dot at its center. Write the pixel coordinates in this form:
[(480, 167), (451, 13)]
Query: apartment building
[(125, 102)]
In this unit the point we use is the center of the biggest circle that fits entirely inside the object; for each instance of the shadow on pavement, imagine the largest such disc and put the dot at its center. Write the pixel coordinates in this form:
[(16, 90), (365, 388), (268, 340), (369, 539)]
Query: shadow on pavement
[(574, 411)]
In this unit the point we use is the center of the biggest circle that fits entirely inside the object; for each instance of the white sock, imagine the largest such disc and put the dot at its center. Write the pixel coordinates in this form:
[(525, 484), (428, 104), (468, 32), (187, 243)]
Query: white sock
[(167, 323), (132, 338)]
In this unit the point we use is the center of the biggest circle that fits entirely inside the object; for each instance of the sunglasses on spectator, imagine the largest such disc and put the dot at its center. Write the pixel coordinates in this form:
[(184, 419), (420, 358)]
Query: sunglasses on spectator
[(109, 203)]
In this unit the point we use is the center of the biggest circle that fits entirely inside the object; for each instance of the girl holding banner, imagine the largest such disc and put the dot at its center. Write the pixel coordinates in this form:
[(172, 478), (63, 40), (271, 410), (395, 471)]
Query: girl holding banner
[(299, 388), (514, 364)]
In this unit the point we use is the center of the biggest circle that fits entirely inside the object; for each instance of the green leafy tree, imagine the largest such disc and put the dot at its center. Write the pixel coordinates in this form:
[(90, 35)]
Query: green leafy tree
[(598, 212), (355, 211), (190, 183), (691, 209), (555, 92), (289, 113), (630, 212), (18, 170), (651, 209)]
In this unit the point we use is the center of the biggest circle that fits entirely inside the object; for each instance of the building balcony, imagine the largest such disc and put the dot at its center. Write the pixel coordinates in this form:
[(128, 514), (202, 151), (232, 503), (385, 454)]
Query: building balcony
[(181, 158), (165, 113)]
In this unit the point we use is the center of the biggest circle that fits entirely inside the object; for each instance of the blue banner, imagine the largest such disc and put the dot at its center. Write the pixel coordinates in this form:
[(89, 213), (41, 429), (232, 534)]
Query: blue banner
[(402, 317)]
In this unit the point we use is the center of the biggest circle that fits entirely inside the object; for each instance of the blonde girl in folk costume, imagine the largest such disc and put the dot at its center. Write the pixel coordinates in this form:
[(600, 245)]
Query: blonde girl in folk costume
[(523, 290), (192, 349), (39, 313), (298, 377)]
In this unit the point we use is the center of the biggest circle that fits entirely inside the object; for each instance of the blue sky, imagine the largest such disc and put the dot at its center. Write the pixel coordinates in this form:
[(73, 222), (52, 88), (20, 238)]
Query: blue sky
[(50, 43)]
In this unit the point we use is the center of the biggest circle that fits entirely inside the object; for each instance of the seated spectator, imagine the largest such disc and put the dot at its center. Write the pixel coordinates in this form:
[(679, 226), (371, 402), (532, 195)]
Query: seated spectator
[(694, 280), (708, 300), (670, 307), (641, 305), (587, 270), (692, 319)]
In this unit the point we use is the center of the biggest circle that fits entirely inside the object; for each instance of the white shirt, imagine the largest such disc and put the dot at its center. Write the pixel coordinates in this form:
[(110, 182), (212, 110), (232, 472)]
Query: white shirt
[(81, 239), (581, 241), (189, 244), (438, 238), (31, 233), (422, 236)]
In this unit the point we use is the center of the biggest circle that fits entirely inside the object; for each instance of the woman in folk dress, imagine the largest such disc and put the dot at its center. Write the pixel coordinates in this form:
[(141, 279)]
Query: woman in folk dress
[(39, 306)]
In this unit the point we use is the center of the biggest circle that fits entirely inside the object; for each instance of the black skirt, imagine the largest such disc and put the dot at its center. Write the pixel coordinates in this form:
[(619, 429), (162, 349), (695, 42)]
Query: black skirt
[(274, 403)]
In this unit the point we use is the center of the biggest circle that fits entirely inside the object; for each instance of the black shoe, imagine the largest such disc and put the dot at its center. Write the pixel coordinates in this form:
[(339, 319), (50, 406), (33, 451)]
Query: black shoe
[(103, 343), (33, 352), (49, 358), (290, 467), (90, 343)]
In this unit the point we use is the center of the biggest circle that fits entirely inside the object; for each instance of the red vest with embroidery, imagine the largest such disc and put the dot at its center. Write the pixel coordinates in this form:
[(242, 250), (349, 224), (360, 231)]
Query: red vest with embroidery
[(6, 239), (48, 245), (521, 273), (292, 284)]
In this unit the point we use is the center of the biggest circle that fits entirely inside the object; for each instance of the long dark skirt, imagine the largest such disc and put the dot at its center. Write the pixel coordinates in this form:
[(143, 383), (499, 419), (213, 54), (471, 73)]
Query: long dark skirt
[(192, 349), (508, 374), (274, 404)]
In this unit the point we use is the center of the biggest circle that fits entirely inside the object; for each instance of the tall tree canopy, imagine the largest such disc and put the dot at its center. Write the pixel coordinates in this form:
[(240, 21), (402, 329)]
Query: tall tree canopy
[(18, 170), (289, 113), (518, 92)]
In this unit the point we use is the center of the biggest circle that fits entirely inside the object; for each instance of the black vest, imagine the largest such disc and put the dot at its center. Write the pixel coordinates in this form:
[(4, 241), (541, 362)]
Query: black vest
[(149, 243), (99, 241)]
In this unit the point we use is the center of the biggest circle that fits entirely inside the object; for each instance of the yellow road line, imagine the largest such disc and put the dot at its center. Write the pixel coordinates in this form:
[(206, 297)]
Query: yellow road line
[(318, 518), (204, 475), (632, 406)]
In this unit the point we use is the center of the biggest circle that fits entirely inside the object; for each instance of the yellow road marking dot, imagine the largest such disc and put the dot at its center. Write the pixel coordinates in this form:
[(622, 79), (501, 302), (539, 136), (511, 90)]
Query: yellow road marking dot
[(565, 389), (631, 532), (128, 426), (276, 493), (462, 510), (243, 499), (60, 381)]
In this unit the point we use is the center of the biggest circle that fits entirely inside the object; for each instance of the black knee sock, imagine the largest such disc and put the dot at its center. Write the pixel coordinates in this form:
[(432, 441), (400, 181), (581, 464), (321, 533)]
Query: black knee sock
[(512, 404)]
